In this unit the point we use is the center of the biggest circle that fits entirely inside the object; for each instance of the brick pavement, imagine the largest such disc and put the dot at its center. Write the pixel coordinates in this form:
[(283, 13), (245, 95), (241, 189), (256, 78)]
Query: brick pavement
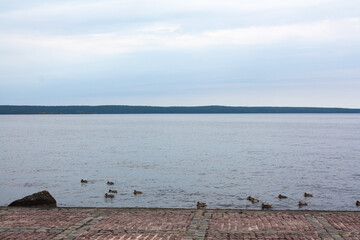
[(143, 223)]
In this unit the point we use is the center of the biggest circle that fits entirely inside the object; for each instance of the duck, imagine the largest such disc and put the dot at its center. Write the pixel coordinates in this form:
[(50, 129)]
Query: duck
[(357, 203), (110, 183), (263, 206), (112, 191), (201, 204), (137, 192), (307, 195), (282, 196), (254, 200), (250, 198), (302, 203), (84, 181), (109, 195)]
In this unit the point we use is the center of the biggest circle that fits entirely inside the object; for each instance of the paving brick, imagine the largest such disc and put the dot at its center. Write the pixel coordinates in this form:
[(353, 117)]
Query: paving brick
[(146, 220), (343, 221), (351, 237), (239, 236), (41, 218), (173, 224), (128, 236), (8, 235), (259, 221)]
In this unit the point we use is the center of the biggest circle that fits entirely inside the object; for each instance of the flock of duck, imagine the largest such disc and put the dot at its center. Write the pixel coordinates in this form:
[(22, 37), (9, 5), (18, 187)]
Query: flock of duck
[(203, 204), (280, 196), (109, 195), (266, 206)]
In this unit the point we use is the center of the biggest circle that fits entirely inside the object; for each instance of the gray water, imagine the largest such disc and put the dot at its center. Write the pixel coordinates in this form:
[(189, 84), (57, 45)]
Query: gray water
[(177, 159)]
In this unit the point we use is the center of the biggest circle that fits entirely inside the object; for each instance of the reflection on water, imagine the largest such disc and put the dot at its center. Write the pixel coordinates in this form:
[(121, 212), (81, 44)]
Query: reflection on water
[(177, 160)]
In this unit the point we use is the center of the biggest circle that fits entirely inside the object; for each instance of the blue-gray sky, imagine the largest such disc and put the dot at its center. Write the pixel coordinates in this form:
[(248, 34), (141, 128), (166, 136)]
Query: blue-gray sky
[(180, 52)]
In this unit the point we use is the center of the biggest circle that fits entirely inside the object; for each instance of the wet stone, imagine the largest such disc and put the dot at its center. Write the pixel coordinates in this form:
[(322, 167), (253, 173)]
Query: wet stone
[(43, 198)]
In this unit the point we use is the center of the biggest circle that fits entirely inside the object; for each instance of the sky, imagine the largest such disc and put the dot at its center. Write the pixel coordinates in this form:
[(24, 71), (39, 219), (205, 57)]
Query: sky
[(180, 53)]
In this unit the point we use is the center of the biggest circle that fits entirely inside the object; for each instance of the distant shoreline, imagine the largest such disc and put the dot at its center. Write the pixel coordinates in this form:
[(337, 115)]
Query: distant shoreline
[(126, 109)]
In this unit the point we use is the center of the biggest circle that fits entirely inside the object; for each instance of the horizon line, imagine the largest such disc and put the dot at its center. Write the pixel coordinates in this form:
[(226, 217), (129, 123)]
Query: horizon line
[(173, 106)]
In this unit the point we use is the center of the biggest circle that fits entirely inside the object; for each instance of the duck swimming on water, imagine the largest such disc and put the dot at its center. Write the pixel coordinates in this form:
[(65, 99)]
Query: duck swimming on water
[(250, 198), (282, 196), (253, 200), (263, 206), (201, 204), (109, 195)]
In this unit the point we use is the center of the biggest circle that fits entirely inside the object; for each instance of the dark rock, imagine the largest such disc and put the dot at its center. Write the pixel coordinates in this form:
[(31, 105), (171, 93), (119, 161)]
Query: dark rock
[(43, 198)]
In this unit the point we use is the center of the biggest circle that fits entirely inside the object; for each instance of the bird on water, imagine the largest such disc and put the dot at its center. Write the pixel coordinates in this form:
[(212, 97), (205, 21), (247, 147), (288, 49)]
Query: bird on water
[(109, 195), (265, 206), (137, 192), (282, 196), (200, 204)]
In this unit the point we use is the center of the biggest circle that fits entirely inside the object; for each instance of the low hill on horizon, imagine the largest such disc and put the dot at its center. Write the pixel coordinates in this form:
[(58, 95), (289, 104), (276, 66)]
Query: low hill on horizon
[(126, 109)]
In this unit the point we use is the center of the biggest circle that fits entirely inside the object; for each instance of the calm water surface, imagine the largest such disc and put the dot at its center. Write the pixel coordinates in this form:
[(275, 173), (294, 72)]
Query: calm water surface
[(177, 160)]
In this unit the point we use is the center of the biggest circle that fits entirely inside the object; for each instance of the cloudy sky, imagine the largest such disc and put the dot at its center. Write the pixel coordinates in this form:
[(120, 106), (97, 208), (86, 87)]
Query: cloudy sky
[(188, 52)]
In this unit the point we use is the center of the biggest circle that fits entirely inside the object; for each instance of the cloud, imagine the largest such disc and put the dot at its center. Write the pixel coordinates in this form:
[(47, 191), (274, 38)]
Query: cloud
[(159, 29), (94, 16), (131, 8), (85, 48), (169, 37)]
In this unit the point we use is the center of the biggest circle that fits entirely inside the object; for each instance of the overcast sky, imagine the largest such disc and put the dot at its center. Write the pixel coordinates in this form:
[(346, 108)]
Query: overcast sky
[(188, 52)]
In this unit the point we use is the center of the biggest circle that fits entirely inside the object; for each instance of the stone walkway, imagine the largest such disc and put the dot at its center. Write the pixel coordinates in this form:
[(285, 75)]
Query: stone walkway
[(138, 223)]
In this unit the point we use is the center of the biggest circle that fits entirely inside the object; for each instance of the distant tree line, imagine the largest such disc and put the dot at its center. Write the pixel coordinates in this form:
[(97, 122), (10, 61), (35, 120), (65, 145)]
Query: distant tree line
[(124, 109)]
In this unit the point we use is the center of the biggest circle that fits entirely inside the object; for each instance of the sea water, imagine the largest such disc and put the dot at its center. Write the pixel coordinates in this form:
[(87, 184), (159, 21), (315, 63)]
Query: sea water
[(179, 159)]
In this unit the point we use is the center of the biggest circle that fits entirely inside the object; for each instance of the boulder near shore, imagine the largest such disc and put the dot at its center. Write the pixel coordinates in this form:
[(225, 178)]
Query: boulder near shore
[(41, 199)]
